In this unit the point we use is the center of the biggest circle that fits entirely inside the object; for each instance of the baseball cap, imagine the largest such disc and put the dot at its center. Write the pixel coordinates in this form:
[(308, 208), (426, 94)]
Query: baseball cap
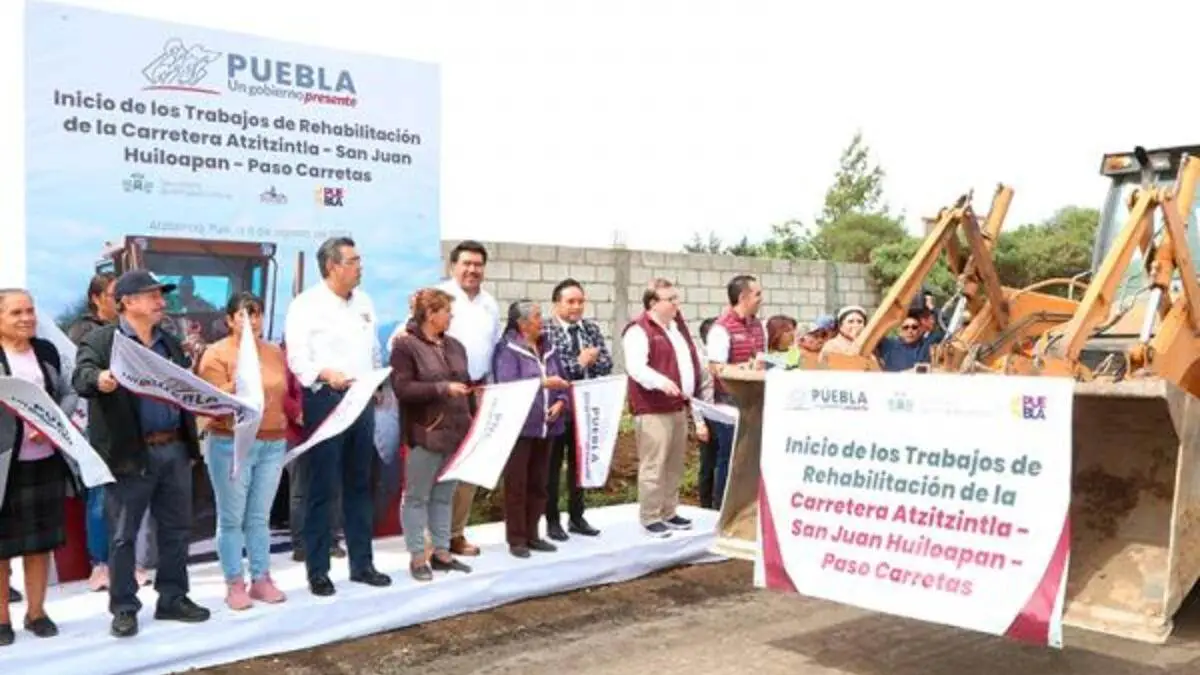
[(825, 322), (139, 281)]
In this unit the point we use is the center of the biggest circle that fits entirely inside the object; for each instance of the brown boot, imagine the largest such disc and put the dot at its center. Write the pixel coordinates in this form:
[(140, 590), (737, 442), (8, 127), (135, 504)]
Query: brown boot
[(460, 546)]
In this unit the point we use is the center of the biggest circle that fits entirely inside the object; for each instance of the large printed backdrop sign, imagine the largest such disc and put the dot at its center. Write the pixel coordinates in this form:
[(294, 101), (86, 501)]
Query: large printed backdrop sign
[(214, 158), (940, 498)]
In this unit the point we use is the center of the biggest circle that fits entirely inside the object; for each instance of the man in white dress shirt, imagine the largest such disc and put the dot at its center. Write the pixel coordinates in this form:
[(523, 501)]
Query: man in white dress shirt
[(665, 372), (476, 324), (330, 333)]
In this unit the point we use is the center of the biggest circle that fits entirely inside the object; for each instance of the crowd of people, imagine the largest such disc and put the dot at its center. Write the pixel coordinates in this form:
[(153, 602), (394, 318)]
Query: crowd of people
[(455, 342)]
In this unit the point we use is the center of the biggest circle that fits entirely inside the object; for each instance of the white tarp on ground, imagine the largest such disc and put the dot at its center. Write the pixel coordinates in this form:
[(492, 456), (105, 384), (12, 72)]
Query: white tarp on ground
[(622, 552)]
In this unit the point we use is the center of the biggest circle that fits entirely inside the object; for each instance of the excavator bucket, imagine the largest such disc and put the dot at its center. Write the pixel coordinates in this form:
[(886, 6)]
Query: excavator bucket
[(1135, 507)]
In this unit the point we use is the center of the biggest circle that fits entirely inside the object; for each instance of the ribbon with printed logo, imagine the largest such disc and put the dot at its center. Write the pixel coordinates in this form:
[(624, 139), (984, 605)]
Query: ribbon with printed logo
[(146, 373)]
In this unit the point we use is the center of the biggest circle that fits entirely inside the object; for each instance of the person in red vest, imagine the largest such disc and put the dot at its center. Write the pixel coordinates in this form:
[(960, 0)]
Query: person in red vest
[(736, 338), (665, 373)]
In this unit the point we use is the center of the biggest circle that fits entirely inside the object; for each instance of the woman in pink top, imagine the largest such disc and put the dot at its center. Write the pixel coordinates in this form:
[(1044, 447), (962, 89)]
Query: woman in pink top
[(34, 477)]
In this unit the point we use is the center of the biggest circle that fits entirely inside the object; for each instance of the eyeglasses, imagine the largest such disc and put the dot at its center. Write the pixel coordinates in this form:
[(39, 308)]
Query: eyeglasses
[(909, 326)]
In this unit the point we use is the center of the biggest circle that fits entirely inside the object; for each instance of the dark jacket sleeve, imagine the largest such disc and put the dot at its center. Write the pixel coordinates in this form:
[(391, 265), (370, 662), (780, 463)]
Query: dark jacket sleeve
[(604, 362), (405, 385), (554, 366), (90, 359)]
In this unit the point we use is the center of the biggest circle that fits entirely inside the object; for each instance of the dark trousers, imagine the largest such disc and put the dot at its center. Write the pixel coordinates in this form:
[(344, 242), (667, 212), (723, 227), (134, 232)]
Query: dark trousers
[(344, 459), (166, 489), (708, 468), (561, 446), (723, 434), (525, 489), (298, 480)]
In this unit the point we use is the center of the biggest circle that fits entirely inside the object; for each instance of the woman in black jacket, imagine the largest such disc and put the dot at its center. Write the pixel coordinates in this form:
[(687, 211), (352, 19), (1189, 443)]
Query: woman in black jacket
[(34, 477)]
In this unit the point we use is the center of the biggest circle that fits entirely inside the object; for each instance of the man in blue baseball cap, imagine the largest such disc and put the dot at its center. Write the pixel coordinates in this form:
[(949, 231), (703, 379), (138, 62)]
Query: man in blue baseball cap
[(135, 282), (149, 446)]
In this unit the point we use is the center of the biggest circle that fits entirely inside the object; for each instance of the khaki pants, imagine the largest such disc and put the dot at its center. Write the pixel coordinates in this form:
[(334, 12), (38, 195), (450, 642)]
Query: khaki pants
[(661, 446), (464, 496)]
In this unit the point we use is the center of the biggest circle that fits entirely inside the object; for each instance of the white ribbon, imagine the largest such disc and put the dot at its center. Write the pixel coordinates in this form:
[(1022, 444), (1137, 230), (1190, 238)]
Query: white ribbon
[(357, 398), (35, 407), (503, 409), (148, 374), (597, 405)]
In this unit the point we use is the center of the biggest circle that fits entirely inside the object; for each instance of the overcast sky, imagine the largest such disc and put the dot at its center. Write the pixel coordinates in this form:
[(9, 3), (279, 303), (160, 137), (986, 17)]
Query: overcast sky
[(569, 122)]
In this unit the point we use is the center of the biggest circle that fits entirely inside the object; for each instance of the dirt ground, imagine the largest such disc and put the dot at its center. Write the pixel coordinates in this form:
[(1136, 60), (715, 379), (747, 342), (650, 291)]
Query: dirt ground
[(708, 619)]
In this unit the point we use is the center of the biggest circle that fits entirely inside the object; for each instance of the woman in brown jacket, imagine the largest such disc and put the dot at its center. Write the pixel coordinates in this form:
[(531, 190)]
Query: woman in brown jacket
[(429, 377)]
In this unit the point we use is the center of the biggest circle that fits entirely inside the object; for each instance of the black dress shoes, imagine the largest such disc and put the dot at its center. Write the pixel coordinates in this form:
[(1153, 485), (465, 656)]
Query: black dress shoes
[(42, 627), (181, 609), (581, 526), (542, 545), (321, 586), (556, 532), (371, 577), (124, 624)]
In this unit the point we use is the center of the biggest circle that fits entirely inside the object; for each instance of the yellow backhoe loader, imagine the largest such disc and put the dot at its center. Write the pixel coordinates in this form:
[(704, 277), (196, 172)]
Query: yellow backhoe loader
[(1136, 485), (1002, 320)]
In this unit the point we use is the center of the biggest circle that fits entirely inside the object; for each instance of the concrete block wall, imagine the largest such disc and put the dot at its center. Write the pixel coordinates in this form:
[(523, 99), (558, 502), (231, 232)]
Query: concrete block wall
[(614, 279)]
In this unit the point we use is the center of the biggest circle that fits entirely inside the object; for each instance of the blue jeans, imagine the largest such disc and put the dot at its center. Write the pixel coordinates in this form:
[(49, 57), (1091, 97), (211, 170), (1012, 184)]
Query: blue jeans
[(97, 526), (345, 459), (244, 504), (723, 433)]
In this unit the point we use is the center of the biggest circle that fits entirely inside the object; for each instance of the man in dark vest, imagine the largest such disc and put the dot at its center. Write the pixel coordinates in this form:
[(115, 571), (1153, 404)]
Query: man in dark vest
[(736, 338), (665, 373)]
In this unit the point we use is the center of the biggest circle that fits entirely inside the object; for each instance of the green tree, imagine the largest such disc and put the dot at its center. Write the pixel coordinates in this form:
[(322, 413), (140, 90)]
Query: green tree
[(889, 261), (788, 241), (744, 248), (857, 185), (1060, 247), (698, 245), (853, 236), (853, 220)]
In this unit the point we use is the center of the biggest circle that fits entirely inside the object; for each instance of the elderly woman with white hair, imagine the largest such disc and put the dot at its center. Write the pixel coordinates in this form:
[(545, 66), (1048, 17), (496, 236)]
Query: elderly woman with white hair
[(850, 322), (34, 477), (526, 352)]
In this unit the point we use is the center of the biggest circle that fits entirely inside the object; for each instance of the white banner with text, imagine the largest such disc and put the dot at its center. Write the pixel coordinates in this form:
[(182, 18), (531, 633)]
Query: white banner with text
[(503, 409), (346, 412), (146, 373), (942, 498), (597, 405), (34, 406)]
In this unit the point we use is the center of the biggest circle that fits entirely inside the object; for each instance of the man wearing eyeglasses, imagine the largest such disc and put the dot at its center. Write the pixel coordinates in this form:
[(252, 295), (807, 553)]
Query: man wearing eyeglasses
[(665, 373), (913, 345)]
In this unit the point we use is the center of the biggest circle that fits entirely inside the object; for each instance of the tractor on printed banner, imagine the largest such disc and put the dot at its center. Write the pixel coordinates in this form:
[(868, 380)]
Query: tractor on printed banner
[(1132, 343), (207, 273)]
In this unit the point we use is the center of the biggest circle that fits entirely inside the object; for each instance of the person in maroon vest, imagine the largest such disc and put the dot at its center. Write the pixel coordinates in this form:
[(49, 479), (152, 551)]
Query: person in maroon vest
[(737, 338), (665, 373)]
